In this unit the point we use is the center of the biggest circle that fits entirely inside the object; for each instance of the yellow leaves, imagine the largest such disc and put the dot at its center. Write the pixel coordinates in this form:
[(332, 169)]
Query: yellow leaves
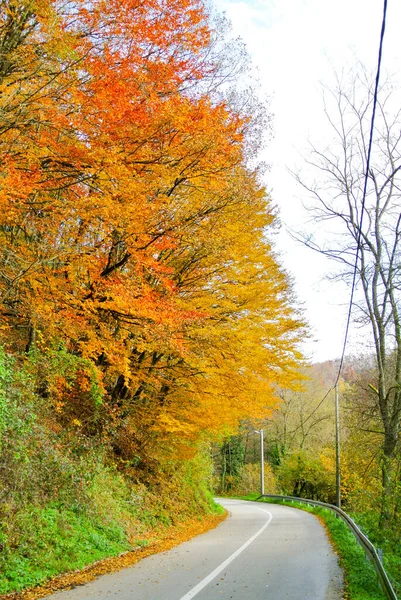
[(133, 230), (170, 424), (328, 462), (58, 407)]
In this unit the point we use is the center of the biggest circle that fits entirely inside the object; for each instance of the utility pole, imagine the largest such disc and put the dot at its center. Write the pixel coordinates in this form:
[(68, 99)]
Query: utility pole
[(338, 464)]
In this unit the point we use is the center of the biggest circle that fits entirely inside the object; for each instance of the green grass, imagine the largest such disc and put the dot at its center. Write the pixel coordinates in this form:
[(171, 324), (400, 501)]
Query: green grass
[(386, 538), (101, 516), (360, 576), (55, 540), (392, 564), (217, 508), (58, 538)]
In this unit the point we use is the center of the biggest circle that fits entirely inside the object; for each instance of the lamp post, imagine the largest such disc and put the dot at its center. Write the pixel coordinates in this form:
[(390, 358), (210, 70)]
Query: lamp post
[(262, 462)]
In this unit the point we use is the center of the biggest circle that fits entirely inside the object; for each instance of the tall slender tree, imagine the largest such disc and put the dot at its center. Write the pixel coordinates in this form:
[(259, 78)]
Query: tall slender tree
[(338, 194)]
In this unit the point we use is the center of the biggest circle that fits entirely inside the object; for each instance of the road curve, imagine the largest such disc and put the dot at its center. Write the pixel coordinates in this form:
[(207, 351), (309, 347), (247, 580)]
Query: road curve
[(261, 551)]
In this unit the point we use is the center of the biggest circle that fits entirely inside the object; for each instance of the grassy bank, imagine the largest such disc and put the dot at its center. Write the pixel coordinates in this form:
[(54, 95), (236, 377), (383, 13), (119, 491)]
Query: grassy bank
[(114, 517), (386, 538), (360, 576), (164, 540), (71, 493)]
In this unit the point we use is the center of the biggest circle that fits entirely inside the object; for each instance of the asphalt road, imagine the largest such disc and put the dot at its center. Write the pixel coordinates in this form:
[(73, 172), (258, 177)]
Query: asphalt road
[(261, 551)]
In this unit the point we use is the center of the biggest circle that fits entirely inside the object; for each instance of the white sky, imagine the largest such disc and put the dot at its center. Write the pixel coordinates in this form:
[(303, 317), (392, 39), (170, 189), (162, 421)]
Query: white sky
[(295, 44)]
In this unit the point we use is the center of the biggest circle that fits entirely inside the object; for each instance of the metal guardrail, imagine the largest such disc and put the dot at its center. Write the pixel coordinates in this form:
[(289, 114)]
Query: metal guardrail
[(366, 544)]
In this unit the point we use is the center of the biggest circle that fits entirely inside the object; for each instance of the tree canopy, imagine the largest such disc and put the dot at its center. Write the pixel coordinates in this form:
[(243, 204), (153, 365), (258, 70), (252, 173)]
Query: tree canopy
[(134, 228)]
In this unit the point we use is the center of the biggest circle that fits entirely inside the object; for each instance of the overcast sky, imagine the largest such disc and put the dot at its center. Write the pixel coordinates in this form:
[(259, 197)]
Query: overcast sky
[(295, 46)]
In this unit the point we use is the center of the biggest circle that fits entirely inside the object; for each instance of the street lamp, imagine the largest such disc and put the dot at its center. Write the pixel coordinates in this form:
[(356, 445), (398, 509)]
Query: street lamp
[(262, 462)]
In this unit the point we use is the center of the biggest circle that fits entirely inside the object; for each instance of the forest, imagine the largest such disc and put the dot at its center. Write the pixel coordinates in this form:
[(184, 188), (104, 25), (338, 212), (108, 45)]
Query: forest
[(147, 324)]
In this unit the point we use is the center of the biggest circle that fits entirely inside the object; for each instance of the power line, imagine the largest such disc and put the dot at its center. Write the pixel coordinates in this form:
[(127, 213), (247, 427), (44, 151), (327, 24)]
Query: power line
[(379, 61), (358, 246)]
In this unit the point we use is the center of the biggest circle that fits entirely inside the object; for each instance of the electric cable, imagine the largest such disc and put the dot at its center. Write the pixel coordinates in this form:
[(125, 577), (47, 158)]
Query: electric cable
[(365, 185), (383, 28)]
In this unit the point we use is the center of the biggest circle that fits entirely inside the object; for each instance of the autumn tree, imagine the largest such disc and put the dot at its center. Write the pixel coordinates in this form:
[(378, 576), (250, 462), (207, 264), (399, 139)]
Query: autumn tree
[(133, 226)]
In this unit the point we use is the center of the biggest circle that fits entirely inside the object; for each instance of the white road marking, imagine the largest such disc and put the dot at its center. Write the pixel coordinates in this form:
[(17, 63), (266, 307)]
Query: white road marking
[(192, 593)]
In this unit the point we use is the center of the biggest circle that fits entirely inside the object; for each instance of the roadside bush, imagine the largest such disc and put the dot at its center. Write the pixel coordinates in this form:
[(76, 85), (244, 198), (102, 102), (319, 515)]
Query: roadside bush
[(307, 476)]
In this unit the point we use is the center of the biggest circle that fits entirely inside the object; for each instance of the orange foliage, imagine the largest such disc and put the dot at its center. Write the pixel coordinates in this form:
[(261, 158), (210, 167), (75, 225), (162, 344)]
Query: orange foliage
[(131, 227)]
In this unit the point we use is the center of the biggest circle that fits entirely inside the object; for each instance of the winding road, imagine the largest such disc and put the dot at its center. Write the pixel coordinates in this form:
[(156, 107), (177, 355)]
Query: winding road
[(261, 551)]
